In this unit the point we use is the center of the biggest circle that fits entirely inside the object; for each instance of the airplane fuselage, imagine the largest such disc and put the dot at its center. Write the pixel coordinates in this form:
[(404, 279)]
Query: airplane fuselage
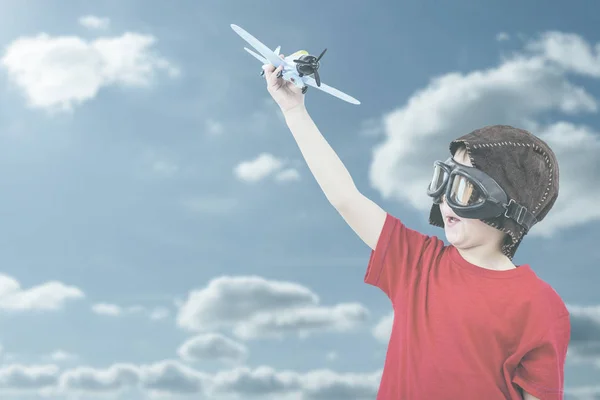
[(294, 72)]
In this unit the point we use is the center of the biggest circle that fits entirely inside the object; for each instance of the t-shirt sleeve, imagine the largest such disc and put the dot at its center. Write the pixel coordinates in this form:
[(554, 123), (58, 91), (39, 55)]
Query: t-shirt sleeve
[(397, 254), (541, 370)]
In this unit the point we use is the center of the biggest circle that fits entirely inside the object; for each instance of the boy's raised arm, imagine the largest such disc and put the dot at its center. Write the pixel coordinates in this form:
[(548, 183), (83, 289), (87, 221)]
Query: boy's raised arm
[(364, 216)]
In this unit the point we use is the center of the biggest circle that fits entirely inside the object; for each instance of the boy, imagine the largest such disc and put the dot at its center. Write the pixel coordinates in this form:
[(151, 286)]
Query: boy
[(468, 323)]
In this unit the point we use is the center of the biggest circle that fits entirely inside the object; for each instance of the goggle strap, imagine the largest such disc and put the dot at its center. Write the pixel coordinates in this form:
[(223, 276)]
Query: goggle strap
[(520, 214)]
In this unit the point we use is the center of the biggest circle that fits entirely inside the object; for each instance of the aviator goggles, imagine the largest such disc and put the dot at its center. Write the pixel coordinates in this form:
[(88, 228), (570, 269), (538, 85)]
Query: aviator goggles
[(471, 193)]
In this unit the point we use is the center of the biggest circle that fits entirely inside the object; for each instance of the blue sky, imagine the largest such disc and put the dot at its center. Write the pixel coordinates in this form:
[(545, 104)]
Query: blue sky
[(161, 234)]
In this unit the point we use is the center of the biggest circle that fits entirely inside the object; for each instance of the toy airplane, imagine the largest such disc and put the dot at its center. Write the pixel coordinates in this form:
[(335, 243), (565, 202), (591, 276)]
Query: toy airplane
[(298, 68)]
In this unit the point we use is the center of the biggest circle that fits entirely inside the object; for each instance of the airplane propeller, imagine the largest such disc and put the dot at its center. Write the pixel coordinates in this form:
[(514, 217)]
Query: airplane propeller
[(310, 65)]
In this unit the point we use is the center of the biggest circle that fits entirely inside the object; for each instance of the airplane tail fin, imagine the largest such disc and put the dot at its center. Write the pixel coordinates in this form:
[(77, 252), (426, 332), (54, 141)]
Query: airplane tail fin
[(277, 50)]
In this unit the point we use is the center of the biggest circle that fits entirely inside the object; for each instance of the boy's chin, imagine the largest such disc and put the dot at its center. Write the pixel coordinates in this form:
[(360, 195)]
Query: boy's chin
[(456, 239)]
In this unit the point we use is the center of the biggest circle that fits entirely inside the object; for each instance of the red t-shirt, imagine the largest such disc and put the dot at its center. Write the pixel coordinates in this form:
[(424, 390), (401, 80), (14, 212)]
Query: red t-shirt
[(461, 331)]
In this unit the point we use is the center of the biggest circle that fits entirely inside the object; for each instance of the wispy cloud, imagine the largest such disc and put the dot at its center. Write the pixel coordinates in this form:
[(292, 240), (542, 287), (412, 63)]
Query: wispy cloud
[(60, 356), (214, 127), (114, 310), (107, 309), (290, 174), (502, 36), (94, 22), (331, 356)]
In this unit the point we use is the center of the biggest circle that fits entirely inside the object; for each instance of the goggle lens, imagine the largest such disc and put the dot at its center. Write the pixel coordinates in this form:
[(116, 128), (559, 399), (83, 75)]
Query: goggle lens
[(464, 193), (438, 179)]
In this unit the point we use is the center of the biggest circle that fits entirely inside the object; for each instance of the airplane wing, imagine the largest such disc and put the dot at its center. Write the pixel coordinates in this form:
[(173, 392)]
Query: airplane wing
[(332, 91), (259, 58), (261, 48)]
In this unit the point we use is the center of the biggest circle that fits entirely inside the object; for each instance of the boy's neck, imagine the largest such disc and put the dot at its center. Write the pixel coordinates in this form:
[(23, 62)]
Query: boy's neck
[(488, 258)]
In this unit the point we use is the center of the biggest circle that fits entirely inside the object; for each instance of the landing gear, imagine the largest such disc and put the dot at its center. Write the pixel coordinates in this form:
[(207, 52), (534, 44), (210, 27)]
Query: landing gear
[(279, 74), (304, 89)]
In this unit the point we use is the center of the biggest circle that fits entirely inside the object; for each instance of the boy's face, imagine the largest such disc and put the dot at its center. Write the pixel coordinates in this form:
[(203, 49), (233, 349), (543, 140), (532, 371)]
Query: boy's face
[(465, 233)]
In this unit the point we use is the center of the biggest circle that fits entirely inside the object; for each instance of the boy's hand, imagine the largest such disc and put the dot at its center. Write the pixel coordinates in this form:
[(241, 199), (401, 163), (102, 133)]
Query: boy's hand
[(285, 93)]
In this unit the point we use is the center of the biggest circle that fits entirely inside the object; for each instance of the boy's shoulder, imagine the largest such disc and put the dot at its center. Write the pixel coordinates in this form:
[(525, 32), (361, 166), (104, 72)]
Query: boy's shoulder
[(544, 300)]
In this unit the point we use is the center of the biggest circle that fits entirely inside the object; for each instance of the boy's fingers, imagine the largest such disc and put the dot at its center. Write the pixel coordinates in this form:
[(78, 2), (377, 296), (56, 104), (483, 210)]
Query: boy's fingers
[(268, 69), (272, 79)]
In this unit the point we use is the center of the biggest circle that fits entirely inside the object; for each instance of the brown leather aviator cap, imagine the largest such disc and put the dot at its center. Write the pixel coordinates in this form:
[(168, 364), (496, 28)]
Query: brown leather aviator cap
[(522, 164)]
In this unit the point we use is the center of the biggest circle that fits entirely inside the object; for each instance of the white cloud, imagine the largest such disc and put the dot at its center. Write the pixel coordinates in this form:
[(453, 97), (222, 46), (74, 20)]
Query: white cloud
[(287, 175), (212, 346), (584, 346), (262, 167), (48, 296), (259, 382), (330, 385), (502, 36), (516, 92), (171, 378), (569, 51), (159, 313), (383, 330), (259, 168), (577, 149), (253, 307), (21, 377), (302, 321), (93, 22), (114, 310), (331, 356), (229, 299), (87, 379), (60, 355), (58, 73), (265, 382)]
